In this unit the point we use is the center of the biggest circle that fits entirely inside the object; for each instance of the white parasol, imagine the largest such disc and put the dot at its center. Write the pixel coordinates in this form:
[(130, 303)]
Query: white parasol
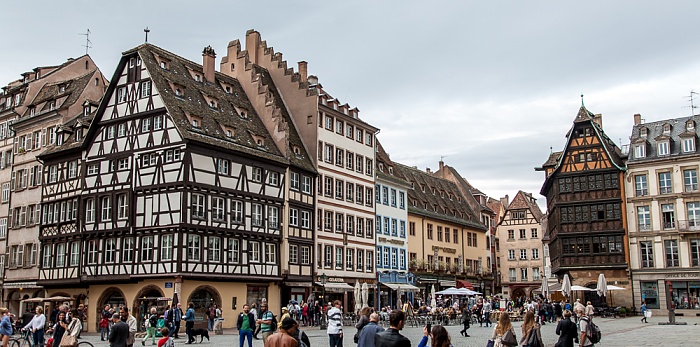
[(365, 295), (545, 287), (399, 304), (433, 301), (566, 285), (357, 293), (602, 286)]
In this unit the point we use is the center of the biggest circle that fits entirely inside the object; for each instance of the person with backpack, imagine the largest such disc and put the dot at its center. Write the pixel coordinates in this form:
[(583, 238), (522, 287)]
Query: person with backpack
[(151, 325), (267, 321), (300, 336), (166, 340), (211, 315), (285, 336), (589, 332), (532, 337)]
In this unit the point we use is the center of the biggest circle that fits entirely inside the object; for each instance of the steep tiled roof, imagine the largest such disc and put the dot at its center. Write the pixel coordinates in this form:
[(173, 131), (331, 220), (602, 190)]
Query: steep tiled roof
[(553, 159), (228, 112), (524, 200), (655, 134), (467, 187), (302, 159), (73, 89), (437, 198), (388, 172)]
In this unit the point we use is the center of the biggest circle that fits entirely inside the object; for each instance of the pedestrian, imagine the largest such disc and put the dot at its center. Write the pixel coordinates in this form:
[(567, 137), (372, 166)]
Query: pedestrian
[(369, 331), (5, 326), (300, 336), (566, 329), (589, 310), (583, 321), (119, 332), (166, 340), (82, 315), (391, 337), (130, 320), (487, 312), (151, 325), (58, 329), (644, 310), (305, 314), (256, 326), (530, 326), (283, 338), (503, 327), (466, 320), (36, 326), (335, 325), (364, 320), (189, 322), (265, 322), (177, 318), (558, 310), (104, 324), (168, 318), (439, 337), (245, 325), (285, 314), (211, 315), (74, 327)]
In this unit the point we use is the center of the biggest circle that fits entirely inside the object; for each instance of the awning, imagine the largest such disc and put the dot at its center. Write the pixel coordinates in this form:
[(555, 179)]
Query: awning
[(337, 286), (405, 287), (465, 284), (444, 283), (24, 285), (297, 284)]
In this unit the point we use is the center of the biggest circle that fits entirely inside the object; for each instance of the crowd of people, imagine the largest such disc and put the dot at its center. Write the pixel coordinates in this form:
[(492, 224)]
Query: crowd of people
[(64, 324)]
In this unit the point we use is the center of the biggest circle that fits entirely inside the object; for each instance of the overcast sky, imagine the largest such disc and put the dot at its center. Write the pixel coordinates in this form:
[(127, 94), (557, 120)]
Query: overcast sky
[(489, 85)]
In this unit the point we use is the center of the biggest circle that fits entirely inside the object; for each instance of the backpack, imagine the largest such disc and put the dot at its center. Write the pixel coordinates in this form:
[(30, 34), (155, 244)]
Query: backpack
[(153, 320), (300, 342), (170, 315), (169, 343), (593, 333), (273, 323), (532, 340)]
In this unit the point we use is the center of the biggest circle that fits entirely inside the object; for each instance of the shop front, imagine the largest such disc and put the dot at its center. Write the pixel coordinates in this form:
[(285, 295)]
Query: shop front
[(396, 286), (683, 287), (329, 289)]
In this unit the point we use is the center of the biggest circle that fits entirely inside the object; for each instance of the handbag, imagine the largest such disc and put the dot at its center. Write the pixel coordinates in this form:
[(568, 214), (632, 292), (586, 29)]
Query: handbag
[(67, 340), (509, 339), (489, 343)]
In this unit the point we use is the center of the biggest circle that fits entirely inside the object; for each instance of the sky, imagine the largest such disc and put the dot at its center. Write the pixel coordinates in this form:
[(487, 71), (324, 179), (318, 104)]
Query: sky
[(490, 86)]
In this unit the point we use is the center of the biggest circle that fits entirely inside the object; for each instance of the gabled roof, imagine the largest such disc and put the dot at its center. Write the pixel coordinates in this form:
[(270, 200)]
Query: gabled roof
[(73, 89), (468, 188), (451, 204), (524, 200), (229, 110)]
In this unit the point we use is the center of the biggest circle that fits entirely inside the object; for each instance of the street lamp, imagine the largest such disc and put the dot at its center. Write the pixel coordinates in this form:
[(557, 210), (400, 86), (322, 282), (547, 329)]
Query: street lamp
[(322, 323)]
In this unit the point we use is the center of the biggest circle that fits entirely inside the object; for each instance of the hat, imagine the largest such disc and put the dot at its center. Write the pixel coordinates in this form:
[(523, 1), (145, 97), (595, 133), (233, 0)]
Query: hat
[(288, 323), (284, 309)]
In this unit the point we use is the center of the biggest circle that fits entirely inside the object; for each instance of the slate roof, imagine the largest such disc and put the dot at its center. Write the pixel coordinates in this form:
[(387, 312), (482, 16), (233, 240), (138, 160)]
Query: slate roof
[(389, 174), (193, 103), (655, 134), (426, 200), (471, 189), (52, 91), (69, 142), (301, 160), (524, 200)]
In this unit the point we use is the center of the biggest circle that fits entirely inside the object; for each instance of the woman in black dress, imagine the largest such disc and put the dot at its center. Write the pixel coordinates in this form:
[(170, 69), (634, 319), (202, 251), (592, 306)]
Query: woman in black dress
[(567, 331)]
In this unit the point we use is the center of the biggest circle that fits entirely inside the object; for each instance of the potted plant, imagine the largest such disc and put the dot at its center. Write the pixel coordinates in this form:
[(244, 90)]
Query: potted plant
[(622, 312)]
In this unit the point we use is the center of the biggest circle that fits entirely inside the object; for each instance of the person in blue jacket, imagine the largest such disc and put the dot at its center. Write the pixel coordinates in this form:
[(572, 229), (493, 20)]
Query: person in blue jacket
[(189, 322), (439, 335)]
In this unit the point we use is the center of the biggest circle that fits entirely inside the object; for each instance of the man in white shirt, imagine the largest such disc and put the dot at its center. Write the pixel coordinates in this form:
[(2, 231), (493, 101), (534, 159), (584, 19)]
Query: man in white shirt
[(335, 325), (583, 321)]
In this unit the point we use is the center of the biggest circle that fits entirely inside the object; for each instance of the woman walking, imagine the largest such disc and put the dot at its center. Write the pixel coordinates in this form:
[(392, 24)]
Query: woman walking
[(5, 326), (504, 333), (152, 320), (59, 328), (530, 327), (36, 326), (466, 320), (566, 329), (364, 320), (644, 310), (438, 337)]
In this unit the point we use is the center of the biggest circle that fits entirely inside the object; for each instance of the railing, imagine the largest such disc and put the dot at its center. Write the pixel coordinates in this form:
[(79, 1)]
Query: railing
[(643, 227), (641, 192), (669, 225), (692, 187), (665, 190), (512, 279), (689, 225)]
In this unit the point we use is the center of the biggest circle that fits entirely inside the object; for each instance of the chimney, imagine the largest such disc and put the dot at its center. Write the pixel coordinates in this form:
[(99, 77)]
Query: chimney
[(302, 70), (637, 119), (208, 61), (427, 169), (442, 164), (598, 118), (252, 41), (504, 201)]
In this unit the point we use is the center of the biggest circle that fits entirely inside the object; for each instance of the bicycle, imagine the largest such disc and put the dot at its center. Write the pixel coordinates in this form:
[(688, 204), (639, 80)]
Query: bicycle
[(24, 340)]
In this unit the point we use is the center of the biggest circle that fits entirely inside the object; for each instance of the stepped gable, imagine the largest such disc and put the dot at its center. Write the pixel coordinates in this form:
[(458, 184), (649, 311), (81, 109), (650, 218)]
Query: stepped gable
[(446, 203), (389, 171), (233, 109), (524, 200), (655, 132), (295, 149), (52, 91)]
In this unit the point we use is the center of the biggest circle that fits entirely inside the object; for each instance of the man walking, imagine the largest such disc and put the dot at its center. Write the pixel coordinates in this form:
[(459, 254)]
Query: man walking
[(335, 325), (265, 322), (391, 337), (189, 322), (284, 338), (177, 317), (583, 321), (245, 324), (131, 322), (119, 332), (369, 331)]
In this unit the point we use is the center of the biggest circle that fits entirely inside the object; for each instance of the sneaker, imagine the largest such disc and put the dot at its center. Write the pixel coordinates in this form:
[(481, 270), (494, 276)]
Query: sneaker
[(143, 343)]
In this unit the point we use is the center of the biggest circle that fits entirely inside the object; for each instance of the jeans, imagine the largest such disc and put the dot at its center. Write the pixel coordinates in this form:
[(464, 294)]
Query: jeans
[(210, 324), (188, 328), (150, 332), (104, 333), (175, 329), (38, 337), (335, 340), (242, 335)]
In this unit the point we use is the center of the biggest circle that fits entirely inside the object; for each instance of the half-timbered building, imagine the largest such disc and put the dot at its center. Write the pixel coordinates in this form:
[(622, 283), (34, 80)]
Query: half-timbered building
[(41, 102), (182, 192), (343, 148), (586, 218)]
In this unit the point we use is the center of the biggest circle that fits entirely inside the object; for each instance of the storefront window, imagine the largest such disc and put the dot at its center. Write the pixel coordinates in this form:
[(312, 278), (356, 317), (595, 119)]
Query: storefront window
[(650, 294), (685, 294)]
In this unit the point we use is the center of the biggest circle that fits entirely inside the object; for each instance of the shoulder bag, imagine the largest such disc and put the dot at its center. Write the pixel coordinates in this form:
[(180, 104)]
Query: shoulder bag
[(509, 339), (68, 340)]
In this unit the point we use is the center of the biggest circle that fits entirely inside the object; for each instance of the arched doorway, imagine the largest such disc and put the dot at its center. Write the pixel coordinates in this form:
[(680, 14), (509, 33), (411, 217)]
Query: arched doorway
[(146, 298), (517, 293), (204, 297), (113, 297)]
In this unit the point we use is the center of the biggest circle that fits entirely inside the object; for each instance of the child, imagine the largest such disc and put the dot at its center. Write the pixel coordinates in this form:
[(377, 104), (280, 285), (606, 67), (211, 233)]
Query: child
[(166, 341)]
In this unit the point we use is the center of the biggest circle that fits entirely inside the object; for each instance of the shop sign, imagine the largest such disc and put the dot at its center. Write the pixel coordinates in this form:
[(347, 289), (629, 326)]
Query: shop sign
[(445, 249), (681, 275), (168, 285), (392, 241)]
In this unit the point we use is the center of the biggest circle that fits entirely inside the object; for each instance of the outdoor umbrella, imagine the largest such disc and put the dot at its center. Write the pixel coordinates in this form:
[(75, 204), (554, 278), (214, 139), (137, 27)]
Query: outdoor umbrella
[(399, 304), (545, 287), (602, 286), (357, 292), (433, 301), (566, 285), (365, 295), (580, 288)]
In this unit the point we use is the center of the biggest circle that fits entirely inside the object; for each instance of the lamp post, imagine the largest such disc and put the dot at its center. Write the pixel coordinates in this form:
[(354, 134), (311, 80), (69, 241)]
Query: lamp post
[(322, 324)]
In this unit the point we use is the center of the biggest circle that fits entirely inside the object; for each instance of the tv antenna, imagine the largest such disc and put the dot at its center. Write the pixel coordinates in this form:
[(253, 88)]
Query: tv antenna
[(88, 43), (691, 98)]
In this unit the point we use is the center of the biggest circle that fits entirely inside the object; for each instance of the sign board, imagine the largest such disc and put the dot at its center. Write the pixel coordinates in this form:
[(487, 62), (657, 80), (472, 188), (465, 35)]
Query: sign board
[(168, 284)]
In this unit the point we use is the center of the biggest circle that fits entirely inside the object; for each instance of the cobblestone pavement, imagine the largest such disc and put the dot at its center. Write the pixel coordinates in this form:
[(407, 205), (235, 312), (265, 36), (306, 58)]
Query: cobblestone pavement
[(622, 332)]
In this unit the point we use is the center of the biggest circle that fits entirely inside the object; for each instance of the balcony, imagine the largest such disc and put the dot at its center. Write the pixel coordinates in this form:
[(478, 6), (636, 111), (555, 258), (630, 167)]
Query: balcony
[(512, 279), (692, 225), (669, 225)]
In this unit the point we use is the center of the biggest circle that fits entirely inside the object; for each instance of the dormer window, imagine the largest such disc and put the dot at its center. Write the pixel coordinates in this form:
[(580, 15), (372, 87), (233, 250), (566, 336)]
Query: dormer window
[(667, 129), (18, 99), (260, 142), (59, 138), (640, 151), (296, 150), (163, 65), (228, 89), (78, 134), (86, 110), (690, 125), (178, 92), (662, 148), (689, 145), (643, 132), (32, 111), (229, 133), (212, 103), (195, 123), (62, 88), (381, 167), (52, 105), (197, 78)]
